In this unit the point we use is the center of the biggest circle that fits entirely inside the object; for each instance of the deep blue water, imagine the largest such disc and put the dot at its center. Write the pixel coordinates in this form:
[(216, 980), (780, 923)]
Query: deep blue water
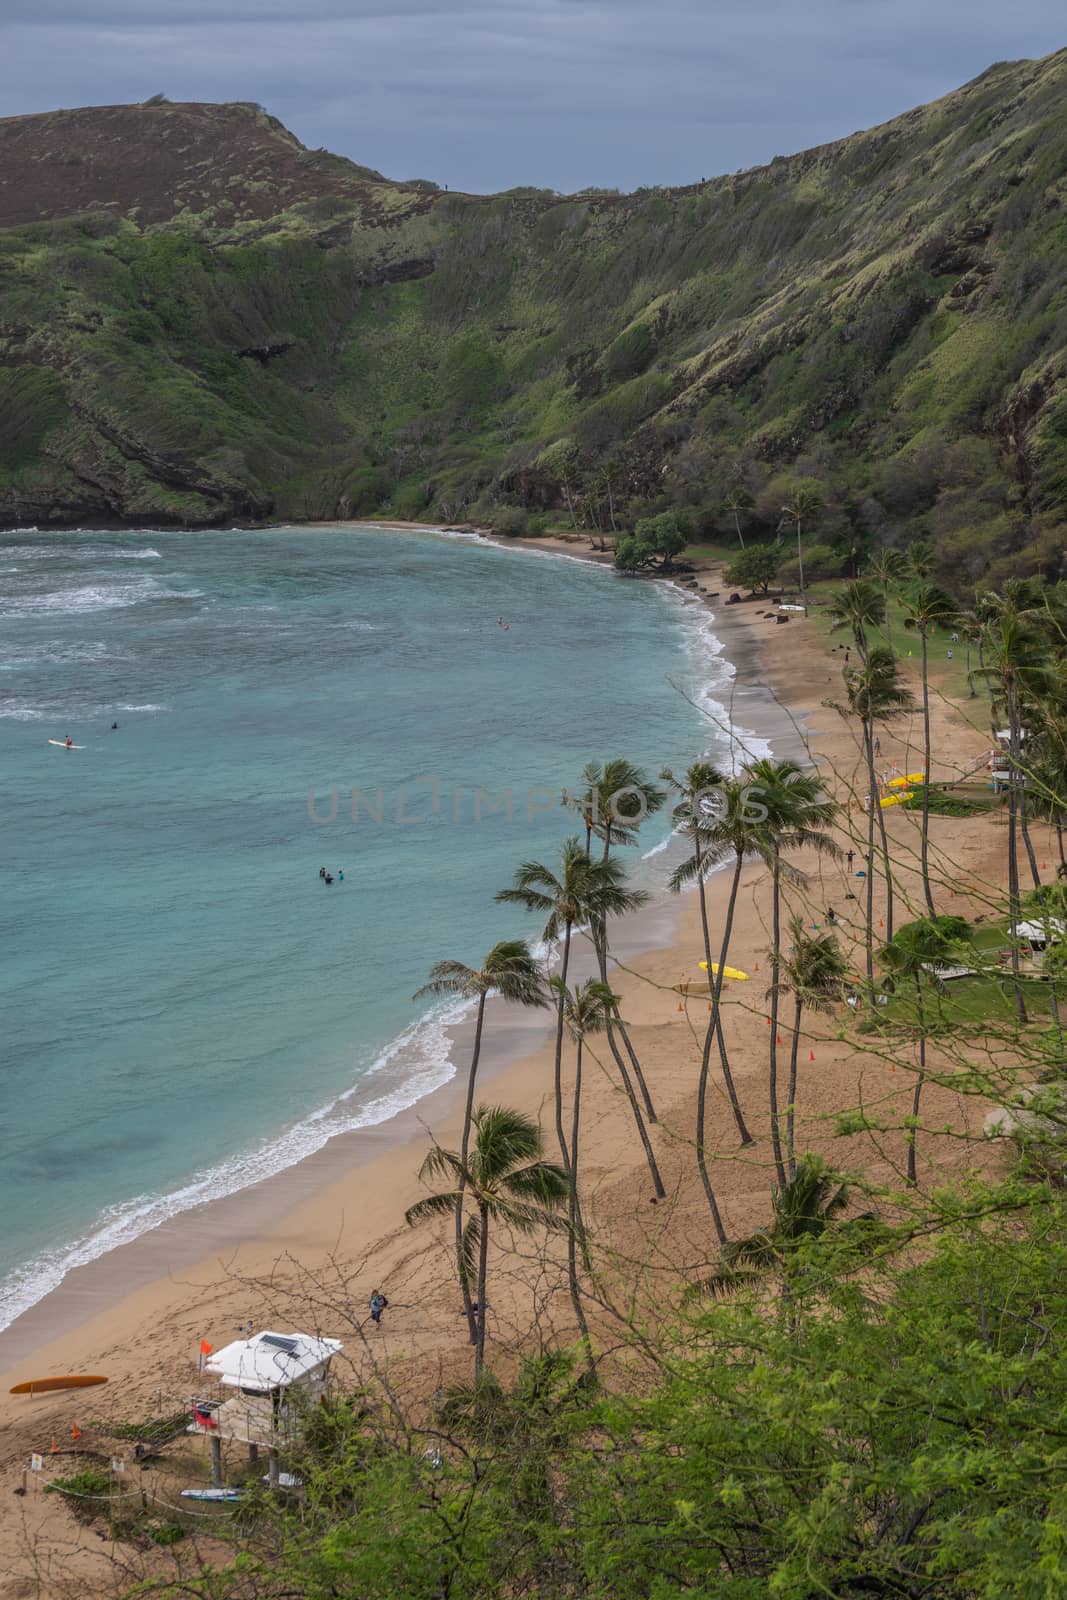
[(186, 1005)]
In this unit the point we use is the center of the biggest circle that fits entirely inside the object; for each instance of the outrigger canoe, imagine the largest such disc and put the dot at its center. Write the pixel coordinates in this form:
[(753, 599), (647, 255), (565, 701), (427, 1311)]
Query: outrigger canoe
[(894, 799), (902, 783), (727, 972)]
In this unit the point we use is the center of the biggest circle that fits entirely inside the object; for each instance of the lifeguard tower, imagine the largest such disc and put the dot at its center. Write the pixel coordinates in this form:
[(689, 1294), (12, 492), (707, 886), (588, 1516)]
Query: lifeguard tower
[(276, 1377)]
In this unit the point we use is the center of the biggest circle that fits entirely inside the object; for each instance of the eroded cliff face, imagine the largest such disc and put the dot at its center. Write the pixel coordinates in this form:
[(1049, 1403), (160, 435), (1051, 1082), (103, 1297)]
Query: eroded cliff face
[(201, 322)]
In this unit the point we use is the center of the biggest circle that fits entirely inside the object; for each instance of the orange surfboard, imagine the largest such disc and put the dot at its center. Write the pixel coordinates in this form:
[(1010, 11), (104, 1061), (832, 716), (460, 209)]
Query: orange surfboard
[(50, 1385)]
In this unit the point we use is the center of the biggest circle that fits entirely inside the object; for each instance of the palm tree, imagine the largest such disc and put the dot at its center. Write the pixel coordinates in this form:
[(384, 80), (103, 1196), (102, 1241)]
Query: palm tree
[(612, 803), (920, 558), (804, 502), (858, 606), (508, 1182), (587, 1011), (815, 972), (923, 610), (887, 567), (582, 892), (913, 955), (737, 501), (798, 811), (698, 790), (806, 1208), (875, 694), (1017, 666), (510, 971)]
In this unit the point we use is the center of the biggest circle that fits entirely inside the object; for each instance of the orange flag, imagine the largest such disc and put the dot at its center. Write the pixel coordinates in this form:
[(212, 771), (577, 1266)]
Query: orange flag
[(206, 1347)]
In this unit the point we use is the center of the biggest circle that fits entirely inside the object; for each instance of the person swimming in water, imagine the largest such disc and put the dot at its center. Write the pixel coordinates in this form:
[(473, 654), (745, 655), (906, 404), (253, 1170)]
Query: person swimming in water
[(114, 726), (322, 872), (328, 877)]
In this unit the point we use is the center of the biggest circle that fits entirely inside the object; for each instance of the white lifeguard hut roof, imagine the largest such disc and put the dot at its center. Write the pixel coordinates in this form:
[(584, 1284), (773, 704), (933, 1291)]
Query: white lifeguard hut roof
[(1050, 930), (270, 1360)]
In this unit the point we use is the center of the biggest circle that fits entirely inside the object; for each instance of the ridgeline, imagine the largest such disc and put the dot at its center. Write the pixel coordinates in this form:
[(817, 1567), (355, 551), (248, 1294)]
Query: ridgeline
[(201, 321)]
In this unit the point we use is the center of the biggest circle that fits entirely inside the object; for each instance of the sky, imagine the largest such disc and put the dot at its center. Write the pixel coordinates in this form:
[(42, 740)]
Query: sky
[(486, 94)]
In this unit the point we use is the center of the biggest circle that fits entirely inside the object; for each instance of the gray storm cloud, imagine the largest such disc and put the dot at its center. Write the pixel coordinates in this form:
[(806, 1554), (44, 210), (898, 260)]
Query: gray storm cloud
[(484, 94)]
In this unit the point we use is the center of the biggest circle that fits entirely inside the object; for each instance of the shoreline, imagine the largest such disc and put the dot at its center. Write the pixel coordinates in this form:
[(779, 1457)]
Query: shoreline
[(221, 1227)]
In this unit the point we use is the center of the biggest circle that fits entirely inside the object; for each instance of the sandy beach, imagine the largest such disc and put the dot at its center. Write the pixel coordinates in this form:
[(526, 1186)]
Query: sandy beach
[(307, 1248)]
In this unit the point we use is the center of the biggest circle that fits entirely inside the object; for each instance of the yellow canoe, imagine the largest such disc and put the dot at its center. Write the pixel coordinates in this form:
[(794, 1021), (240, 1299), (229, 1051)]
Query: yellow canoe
[(727, 972), (902, 783), (895, 799)]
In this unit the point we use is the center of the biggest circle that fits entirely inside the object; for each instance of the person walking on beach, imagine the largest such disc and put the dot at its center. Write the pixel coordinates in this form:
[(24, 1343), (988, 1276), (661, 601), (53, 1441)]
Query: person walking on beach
[(850, 856), (878, 747), (378, 1303)]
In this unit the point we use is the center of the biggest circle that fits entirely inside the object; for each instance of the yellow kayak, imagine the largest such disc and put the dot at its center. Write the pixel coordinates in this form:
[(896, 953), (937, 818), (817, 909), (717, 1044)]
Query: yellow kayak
[(902, 783), (895, 799), (727, 972)]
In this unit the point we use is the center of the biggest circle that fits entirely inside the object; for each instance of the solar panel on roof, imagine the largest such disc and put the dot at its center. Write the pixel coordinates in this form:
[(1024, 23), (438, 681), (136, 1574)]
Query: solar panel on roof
[(279, 1341)]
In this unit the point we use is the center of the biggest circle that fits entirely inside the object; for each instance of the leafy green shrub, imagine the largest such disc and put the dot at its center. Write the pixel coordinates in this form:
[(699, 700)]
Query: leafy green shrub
[(88, 1492), (509, 521), (754, 568)]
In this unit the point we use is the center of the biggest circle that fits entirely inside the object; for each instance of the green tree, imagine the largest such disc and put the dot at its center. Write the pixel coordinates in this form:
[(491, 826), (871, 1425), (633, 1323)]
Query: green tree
[(912, 956), (696, 815), (875, 694), (857, 606), (798, 810), (814, 972), (924, 610), (805, 502), (736, 504), (662, 538), (755, 568), (508, 1183), (887, 567), (582, 892), (510, 971)]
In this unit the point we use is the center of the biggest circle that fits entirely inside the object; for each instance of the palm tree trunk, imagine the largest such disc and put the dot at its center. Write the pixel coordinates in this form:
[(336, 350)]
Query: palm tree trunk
[(1059, 844), (705, 1058), (872, 804), (735, 1103), (483, 1257), (642, 1131), (737, 525), (925, 841), (776, 960), (1014, 901), (650, 1110), (791, 1110), (1024, 825), (800, 563), (576, 1229), (913, 1177), (888, 630), (561, 1136), (468, 1113), (887, 869)]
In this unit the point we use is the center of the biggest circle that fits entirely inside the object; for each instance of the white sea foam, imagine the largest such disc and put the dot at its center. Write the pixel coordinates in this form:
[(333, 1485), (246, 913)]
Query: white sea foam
[(86, 598), (425, 1042), (19, 711), (68, 552)]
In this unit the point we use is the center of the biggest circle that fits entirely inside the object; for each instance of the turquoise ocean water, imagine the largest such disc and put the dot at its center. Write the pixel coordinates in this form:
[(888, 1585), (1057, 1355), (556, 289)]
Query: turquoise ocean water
[(187, 1007)]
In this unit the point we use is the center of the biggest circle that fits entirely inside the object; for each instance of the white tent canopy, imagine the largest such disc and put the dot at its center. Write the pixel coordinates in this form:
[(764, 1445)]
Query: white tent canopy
[(270, 1360), (1049, 931)]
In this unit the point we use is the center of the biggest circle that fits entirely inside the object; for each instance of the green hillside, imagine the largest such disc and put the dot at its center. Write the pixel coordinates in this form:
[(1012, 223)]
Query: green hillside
[(232, 327)]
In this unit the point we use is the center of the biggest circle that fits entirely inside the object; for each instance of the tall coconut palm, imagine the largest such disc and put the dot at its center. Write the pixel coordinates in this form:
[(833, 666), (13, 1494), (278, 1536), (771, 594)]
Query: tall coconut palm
[(508, 1183), (612, 802), (875, 694), (913, 956), (586, 1010), (1017, 664), (732, 831), (925, 608), (699, 790), (580, 893), (814, 972), (805, 502), (737, 502), (510, 971), (887, 567), (798, 812), (857, 605)]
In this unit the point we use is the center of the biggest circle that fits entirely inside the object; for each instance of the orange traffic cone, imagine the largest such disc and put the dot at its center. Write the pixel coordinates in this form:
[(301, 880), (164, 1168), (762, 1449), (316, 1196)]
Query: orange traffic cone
[(811, 1055), (75, 1432), (680, 1006), (54, 1451), (777, 1038)]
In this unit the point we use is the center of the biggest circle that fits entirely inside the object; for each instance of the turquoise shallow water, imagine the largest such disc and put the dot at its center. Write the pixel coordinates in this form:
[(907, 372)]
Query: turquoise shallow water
[(187, 1007)]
